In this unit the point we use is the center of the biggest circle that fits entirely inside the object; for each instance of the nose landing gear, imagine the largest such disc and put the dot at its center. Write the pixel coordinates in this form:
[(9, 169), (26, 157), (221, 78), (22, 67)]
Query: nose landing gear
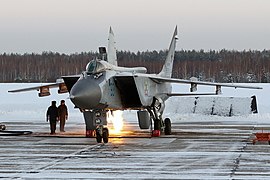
[(102, 133), (96, 121)]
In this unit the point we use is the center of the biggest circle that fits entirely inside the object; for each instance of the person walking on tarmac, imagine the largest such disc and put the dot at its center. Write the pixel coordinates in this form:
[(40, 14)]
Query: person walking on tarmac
[(63, 115), (52, 116)]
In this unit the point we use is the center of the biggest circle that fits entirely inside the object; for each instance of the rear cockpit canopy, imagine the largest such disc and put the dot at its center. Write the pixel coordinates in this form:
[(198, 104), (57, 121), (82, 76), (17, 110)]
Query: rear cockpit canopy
[(99, 66)]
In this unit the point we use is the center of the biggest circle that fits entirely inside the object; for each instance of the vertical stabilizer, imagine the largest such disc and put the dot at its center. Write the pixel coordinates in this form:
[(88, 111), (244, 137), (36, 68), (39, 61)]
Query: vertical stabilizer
[(167, 67), (111, 56)]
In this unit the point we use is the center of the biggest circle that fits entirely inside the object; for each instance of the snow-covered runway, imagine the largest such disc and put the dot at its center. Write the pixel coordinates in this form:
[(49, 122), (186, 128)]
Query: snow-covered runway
[(218, 151), (201, 147)]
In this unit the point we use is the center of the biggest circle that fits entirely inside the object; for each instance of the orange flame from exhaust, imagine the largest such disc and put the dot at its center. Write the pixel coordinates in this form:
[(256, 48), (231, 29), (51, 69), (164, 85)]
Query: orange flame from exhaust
[(116, 118)]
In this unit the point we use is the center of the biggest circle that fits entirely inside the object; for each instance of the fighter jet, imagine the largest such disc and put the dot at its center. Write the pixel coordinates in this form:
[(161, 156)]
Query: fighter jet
[(106, 87)]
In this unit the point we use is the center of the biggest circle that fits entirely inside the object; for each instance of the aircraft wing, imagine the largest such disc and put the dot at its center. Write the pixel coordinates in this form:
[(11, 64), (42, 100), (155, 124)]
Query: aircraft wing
[(64, 86), (193, 84), (44, 90), (191, 94), (173, 80), (35, 88)]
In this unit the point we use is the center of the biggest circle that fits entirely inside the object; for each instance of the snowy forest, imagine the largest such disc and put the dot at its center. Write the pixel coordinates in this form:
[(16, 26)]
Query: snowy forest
[(215, 66)]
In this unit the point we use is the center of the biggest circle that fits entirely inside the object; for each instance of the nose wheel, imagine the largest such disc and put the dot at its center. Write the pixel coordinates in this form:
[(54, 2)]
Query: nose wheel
[(105, 135), (102, 133)]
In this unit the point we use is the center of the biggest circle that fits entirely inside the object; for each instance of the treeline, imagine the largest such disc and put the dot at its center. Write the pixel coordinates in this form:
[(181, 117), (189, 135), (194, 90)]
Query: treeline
[(215, 66)]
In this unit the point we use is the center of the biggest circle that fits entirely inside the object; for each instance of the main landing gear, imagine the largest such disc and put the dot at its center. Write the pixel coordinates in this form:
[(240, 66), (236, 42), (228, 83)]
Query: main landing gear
[(160, 125), (168, 126)]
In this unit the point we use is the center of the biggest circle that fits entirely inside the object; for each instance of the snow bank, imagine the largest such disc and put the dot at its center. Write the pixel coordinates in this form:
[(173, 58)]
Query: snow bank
[(222, 106)]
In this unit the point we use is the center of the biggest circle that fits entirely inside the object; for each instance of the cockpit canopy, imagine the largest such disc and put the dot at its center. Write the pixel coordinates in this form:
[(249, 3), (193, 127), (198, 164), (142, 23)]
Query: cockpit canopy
[(95, 66), (99, 66)]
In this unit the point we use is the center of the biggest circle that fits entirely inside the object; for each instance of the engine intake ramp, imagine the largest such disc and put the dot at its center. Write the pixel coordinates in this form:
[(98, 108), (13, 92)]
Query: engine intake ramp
[(222, 106)]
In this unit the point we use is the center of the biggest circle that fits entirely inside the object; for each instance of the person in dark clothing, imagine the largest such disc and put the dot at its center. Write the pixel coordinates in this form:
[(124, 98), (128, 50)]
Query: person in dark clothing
[(52, 116), (63, 115)]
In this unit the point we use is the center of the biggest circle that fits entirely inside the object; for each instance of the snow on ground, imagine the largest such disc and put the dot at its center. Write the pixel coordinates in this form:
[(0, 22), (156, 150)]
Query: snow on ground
[(27, 106), (173, 104), (263, 103), (202, 147)]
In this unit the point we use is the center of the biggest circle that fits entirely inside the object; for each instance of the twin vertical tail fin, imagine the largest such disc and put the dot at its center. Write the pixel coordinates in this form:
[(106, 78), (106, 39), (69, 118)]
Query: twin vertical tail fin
[(168, 66), (111, 56)]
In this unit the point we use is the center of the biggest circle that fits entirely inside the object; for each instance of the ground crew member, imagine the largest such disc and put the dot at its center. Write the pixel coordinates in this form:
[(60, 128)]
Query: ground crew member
[(63, 115), (52, 116)]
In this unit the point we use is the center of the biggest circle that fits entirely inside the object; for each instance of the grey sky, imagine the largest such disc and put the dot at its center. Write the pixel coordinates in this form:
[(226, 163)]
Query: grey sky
[(69, 26)]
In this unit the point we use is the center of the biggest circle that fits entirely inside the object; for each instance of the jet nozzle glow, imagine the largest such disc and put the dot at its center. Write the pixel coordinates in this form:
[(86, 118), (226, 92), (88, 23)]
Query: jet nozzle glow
[(116, 118)]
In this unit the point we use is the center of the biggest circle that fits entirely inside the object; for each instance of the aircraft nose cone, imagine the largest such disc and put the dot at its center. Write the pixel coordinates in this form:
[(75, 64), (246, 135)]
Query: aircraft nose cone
[(85, 94)]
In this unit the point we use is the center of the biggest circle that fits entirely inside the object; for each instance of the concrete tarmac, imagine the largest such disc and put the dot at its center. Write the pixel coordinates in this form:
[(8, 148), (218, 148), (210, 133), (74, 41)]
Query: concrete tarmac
[(197, 150)]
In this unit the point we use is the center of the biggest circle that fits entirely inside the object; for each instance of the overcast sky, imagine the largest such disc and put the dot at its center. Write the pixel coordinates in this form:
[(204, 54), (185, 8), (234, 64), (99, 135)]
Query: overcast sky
[(69, 26)]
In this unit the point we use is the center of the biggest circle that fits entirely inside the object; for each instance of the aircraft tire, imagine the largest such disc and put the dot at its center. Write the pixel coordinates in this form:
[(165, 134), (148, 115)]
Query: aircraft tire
[(98, 137), (2, 127), (168, 126), (105, 135)]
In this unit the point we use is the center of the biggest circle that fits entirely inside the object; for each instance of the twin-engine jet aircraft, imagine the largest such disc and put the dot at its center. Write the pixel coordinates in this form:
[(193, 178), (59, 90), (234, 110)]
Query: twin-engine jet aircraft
[(105, 86)]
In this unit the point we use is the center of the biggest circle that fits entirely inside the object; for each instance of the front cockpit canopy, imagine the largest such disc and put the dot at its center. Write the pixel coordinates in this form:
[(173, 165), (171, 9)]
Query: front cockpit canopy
[(94, 67)]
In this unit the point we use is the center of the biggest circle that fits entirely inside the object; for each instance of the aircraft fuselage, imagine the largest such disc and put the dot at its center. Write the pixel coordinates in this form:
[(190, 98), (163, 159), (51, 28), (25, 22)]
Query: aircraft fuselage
[(114, 90)]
